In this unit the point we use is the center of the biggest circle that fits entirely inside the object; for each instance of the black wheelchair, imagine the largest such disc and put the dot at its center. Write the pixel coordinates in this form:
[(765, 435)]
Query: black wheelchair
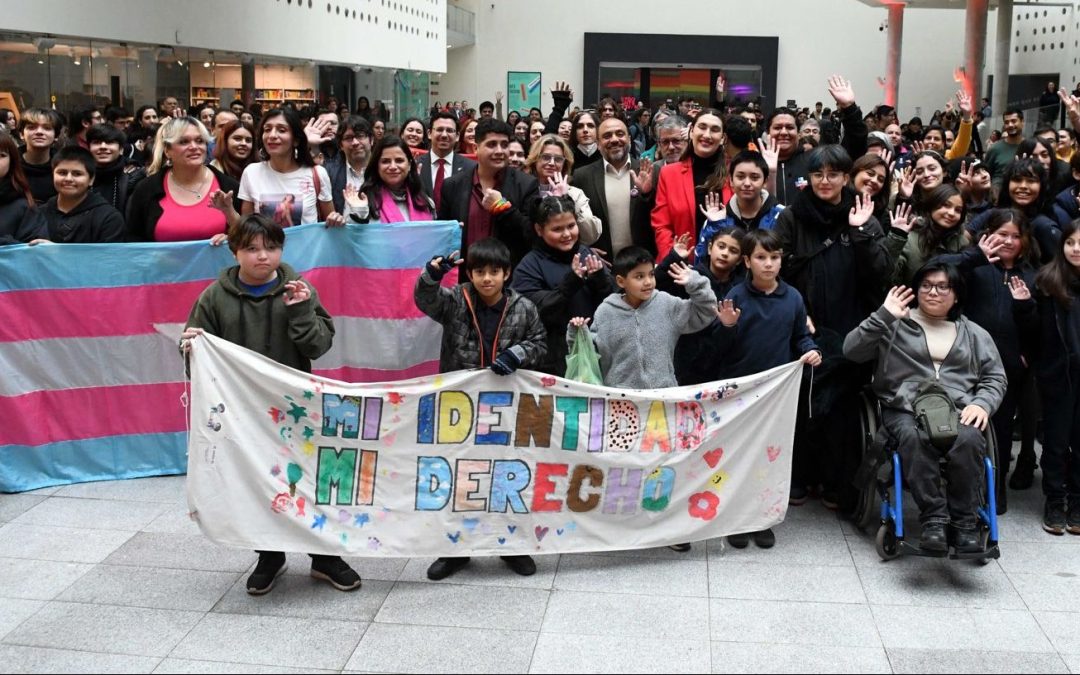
[(880, 484)]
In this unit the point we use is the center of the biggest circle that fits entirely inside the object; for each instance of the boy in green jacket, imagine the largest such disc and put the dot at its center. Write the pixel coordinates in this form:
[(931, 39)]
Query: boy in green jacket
[(263, 304)]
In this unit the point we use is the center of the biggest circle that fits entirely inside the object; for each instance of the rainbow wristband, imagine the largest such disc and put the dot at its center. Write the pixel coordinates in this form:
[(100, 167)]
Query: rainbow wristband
[(501, 206)]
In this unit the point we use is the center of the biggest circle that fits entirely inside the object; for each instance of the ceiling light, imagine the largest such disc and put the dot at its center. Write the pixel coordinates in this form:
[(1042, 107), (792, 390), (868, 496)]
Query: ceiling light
[(205, 64)]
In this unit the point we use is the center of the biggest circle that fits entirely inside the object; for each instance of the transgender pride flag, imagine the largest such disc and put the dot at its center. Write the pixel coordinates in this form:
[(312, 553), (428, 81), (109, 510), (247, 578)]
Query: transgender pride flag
[(90, 390)]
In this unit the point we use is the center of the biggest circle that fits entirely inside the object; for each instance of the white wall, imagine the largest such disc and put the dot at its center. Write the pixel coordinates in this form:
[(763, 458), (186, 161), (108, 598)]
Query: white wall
[(816, 39), (386, 33)]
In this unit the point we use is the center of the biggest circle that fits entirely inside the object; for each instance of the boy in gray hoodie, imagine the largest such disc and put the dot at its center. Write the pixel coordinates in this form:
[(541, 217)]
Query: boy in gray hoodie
[(636, 331)]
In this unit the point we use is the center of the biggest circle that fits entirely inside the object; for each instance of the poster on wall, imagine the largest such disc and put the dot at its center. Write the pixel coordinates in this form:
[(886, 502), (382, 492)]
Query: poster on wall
[(522, 91), (411, 95)]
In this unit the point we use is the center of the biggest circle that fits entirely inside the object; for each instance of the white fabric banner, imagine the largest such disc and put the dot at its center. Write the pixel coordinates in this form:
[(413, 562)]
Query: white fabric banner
[(471, 463)]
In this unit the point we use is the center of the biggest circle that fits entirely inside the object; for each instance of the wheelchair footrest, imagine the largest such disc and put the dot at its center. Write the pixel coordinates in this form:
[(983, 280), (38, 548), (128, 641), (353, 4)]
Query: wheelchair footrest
[(911, 549), (992, 552)]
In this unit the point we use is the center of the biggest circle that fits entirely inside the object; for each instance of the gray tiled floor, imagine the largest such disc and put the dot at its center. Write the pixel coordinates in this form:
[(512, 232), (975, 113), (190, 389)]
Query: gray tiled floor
[(112, 577)]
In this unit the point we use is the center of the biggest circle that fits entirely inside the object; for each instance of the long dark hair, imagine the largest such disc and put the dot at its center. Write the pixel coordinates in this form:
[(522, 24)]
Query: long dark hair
[(917, 195), (931, 235), (232, 166), (15, 175), (296, 129), (868, 162), (1025, 168), (999, 218), (373, 182), (1058, 276), (1027, 147)]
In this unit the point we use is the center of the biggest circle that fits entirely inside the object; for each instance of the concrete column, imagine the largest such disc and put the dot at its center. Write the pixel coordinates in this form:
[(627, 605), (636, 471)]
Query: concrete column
[(1002, 51), (974, 47), (892, 55)]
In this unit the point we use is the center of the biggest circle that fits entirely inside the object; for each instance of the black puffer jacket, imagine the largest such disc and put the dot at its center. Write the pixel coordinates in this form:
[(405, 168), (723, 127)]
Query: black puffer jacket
[(520, 329), (115, 183), (20, 222)]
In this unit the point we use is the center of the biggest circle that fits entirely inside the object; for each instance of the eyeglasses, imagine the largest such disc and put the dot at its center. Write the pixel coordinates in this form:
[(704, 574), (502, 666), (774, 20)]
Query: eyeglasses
[(826, 176), (552, 159), (673, 141), (349, 138), (942, 289)]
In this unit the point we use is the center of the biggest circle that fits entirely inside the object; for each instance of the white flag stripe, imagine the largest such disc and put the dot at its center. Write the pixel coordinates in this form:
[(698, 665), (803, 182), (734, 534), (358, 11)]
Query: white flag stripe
[(76, 363)]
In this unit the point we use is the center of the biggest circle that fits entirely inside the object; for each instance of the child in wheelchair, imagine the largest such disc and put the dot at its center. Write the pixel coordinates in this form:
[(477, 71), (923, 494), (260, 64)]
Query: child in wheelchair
[(926, 353)]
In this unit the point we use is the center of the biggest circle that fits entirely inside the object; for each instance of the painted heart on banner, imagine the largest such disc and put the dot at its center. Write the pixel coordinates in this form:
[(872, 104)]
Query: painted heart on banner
[(712, 457), (540, 532)]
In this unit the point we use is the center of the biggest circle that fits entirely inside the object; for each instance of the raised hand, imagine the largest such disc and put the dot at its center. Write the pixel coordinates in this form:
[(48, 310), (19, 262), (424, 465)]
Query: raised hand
[(728, 313), (907, 182), (721, 86), (562, 89), (990, 244), (296, 292), (767, 148), (681, 273), (897, 301), (917, 146), (1071, 103), (642, 178), (861, 212), (841, 91), (498, 96), (682, 245), (317, 131), (354, 198), (714, 209), (965, 105), (1019, 289), (559, 185), (438, 266), (901, 218)]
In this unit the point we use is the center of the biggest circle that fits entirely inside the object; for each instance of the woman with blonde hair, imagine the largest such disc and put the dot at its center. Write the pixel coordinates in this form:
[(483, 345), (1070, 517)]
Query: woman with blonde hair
[(550, 160), (173, 202)]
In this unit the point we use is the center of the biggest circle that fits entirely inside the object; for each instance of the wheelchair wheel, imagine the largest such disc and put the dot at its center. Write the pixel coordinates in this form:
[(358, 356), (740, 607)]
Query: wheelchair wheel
[(885, 542), (984, 541), (868, 507)]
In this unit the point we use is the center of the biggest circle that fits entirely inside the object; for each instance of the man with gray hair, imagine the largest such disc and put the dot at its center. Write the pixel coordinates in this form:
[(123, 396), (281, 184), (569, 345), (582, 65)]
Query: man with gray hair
[(672, 136)]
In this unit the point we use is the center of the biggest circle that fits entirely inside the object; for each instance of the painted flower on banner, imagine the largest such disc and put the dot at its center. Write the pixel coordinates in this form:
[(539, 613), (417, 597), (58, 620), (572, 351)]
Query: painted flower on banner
[(703, 505)]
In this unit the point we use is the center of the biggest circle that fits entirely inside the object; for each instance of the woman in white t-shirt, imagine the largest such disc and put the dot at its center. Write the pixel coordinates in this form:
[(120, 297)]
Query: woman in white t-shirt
[(286, 185)]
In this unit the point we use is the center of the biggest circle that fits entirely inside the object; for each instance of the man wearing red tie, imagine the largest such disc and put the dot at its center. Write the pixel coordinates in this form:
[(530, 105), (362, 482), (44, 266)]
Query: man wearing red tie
[(441, 162)]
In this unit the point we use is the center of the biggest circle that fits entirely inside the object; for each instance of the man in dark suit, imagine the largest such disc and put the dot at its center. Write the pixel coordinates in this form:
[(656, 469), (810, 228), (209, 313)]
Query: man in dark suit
[(347, 166), (492, 200), (618, 194), (441, 161)]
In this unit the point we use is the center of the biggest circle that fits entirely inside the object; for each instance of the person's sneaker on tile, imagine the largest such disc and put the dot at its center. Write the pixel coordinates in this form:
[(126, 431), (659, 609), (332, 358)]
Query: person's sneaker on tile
[(764, 538), (520, 564), (967, 541), (1054, 519), (271, 566), (444, 567), (1072, 518), (680, 548), (739, 540), (335, 571), (933, 538), (798, 495)]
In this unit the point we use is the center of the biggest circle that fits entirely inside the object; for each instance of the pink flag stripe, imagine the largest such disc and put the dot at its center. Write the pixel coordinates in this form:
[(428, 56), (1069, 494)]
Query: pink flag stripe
[(45, 314), (75, 414), (352, 374)]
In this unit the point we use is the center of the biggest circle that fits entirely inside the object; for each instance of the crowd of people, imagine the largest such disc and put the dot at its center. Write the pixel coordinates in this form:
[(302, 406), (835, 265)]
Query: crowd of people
[(697, 241)]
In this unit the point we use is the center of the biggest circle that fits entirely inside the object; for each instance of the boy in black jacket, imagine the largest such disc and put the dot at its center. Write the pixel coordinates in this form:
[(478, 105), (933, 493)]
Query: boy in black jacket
[(485, 325), (77, 214)]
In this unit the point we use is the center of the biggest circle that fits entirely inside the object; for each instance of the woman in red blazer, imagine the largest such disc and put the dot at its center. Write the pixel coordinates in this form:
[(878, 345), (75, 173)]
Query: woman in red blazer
[(682, 187)]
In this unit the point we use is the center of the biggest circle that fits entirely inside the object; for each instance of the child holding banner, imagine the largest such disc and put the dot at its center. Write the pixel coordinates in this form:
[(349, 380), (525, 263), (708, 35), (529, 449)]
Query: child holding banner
[(762, 325), (636, 331), (242, 307), (485, 325)]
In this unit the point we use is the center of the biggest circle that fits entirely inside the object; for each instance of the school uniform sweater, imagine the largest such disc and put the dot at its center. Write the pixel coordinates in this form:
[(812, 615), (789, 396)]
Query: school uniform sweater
[(771, 331)]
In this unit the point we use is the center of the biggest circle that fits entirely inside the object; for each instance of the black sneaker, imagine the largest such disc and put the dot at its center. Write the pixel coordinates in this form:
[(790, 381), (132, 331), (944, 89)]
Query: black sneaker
[(739, 540), (1072, 518), (1023, 476), (933, 538), (521, 564), (336, 571), (967, 541), (830, 500), (680, 548), (798, 496), (1054, 518), (444, 567), (271, 566), (764, 538)]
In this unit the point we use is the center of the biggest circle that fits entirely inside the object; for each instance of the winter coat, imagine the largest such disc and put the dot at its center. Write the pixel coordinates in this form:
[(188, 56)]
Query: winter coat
[(765, 219), (20, 222), (972, 372), (115, 184), (906, 250), (292, 335), (544, 276), (520, 329), (93, 221)]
